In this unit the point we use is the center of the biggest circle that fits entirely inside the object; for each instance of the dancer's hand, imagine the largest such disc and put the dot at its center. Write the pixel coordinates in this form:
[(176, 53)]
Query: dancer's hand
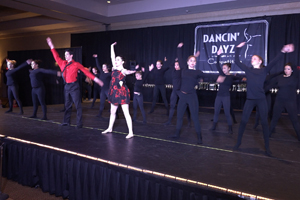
[(220, 51), (98, 81), (151, 67), (29, 61), (180, 45), (95, 55), (113, 44), (197, 54), (241, 44), (59, 73), (50, 44), (288, 48)]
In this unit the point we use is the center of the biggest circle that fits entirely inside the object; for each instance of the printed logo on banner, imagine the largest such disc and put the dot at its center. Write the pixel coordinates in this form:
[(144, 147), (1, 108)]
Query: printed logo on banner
[(210, 38)]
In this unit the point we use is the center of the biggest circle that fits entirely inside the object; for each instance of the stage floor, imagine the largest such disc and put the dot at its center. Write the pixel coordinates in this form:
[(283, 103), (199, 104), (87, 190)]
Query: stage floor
[(247, 170)]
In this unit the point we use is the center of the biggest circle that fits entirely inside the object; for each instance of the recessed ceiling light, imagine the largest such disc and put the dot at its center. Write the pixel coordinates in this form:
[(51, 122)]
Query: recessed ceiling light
[(108, 1)]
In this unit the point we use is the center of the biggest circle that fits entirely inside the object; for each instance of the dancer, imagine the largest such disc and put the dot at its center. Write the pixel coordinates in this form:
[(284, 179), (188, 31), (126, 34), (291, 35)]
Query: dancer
[(119, 92), (159, 82), (105, 76), (255, 92), (176, 81), (69, 69), (97, 88), (187, 94), (223, 95), (38, 88), (138, 98), (13, 87), (286, 97)]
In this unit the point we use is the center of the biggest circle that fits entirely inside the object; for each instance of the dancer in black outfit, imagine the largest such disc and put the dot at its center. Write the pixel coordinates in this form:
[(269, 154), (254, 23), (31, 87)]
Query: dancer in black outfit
[(187, 94), (138, 98), (105, 76), (223, 95), (97, 88), (176, 81), (286, 97), (159, 82), (38, 88), (256, 93), (13, 87)]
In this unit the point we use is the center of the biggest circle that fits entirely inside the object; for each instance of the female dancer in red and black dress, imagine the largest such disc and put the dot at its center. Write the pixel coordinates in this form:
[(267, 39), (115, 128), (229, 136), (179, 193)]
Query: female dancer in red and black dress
[(13, 87), (286, 97), (105, 76), (38, 88), (255, 92), (187, 94), (223, 95), (119, 92)]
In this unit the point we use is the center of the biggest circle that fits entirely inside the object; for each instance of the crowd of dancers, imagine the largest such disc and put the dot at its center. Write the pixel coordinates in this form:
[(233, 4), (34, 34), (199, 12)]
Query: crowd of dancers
[(111, 86)]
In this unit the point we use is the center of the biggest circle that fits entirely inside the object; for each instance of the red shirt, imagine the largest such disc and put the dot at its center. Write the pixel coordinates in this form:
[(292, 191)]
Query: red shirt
[(70, 73)]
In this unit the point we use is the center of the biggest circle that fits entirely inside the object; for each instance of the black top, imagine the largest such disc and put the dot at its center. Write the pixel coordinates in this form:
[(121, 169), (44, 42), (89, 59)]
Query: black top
[(10, 74), (104, 77), (189, 77), (226, 85), (255, 77), (287, 86), (159, 75), (138, 85), (36, 76)]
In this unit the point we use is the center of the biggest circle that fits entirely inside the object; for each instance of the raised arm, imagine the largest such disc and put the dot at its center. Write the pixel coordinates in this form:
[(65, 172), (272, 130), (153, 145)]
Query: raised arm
[(237, 57), (97, 63), (112, 54), (182, 65), (24, 64), (59, 61), (220, 51)]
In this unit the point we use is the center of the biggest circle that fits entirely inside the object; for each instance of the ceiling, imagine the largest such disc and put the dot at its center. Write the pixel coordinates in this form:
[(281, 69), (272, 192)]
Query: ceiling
[(25, 17)]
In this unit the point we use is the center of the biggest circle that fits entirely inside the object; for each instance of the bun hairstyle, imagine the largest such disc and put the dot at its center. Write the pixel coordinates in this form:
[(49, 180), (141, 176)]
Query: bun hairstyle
[(228, 65)]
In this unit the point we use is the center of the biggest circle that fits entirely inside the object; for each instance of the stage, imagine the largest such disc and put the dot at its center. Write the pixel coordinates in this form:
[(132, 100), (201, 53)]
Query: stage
[(208, 171)]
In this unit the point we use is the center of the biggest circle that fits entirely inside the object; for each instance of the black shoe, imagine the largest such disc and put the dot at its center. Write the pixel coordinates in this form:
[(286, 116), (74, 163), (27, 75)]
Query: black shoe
[(33, 116), (234, 121), (44, 118), (199, 137), (268, 153), (236, 147), (78, 126), (65, 124), (21, 112), (151, 111), (213, 126), (8, 111)]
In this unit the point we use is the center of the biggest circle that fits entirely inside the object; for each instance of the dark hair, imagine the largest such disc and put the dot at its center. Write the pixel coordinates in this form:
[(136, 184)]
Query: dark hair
[(288, 64), (159, 61), (38, 62), (228, 65), (262, 60), (139, 72), (95, 68), (107, 66), (71, 52)]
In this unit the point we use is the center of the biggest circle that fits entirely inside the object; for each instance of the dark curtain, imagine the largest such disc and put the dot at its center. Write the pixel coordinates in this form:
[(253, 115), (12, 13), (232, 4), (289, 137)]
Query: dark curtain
[(54, 91), (78, 178)]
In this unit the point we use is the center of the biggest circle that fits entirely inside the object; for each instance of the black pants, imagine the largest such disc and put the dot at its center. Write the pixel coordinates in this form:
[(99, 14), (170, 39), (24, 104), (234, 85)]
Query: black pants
[(162, 90), (225, 101), (138, 100), (38, 94), (291, 107), (190, 100), (269, 102), (173, 100), (96, 93), (263, 111), (72, 95), (103, 97), (13, 92)]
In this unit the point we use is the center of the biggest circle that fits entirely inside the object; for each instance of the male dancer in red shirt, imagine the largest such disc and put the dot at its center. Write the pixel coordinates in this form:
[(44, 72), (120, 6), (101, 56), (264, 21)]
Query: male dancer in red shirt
[(69, 69)]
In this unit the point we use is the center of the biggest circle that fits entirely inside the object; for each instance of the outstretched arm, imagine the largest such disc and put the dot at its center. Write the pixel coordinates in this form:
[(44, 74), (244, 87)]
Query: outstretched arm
[(112, 54)]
